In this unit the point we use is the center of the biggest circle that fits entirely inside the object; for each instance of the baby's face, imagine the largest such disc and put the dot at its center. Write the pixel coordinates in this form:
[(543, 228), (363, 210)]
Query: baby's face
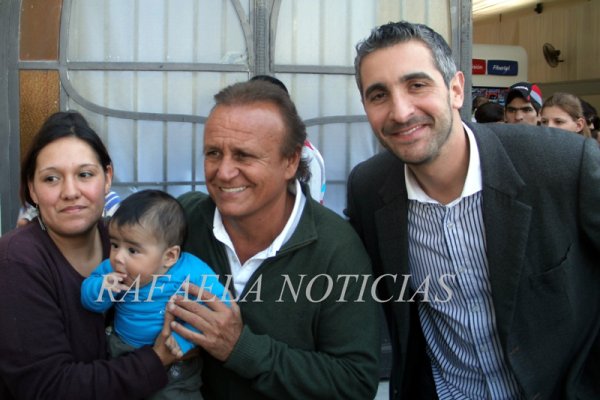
[(135, 251)]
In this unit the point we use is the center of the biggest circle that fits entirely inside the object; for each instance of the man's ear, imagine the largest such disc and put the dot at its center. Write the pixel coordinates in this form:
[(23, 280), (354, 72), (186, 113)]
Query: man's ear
[(292, 164), (457, 90), (580, 123), (171, 255)]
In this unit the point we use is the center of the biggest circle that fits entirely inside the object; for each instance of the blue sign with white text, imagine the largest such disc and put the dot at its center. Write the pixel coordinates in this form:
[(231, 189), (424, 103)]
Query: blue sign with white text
[(502, 67)]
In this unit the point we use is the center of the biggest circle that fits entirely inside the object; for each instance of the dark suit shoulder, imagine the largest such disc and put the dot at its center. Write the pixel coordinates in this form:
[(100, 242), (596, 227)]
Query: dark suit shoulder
[(534, 151), (373, 172), (532, 140)]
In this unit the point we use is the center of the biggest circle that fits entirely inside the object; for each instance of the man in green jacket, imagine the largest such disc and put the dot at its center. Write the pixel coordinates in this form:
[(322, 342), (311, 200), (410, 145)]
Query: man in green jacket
[(305, 325)]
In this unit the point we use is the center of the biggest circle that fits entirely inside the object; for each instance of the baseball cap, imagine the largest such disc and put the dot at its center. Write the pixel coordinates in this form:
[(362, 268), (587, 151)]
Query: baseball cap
[(530, 92)]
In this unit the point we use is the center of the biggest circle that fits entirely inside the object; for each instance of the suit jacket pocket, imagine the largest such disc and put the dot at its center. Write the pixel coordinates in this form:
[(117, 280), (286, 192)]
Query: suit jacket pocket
[(549, 296)]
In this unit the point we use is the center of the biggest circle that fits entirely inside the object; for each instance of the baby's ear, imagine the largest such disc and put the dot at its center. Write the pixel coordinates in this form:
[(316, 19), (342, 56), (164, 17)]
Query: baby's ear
[(171, 255)]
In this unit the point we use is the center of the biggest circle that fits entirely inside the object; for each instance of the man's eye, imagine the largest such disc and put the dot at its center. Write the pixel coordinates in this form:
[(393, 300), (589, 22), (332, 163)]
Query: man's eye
[(376, 97), (418, 85)]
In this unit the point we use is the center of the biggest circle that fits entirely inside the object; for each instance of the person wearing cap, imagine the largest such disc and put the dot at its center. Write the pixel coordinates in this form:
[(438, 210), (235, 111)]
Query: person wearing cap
[(523, 104)]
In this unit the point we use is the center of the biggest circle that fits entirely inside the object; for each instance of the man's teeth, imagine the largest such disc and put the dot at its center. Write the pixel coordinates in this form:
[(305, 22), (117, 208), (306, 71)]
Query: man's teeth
[(233, 190), (408, 132)]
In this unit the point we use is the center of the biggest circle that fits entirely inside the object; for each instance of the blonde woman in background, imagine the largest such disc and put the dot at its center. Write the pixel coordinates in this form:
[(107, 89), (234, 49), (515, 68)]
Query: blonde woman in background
[(564, 111)]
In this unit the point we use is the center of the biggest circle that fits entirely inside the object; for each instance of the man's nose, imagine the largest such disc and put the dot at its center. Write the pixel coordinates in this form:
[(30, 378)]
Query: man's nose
[(227, 169), (402, 107)]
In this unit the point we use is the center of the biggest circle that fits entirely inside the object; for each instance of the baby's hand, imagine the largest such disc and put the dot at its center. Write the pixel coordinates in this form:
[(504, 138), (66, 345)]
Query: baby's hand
[(114, 282)]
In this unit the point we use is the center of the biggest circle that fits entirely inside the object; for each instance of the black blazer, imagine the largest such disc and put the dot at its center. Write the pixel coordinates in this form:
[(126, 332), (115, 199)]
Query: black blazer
[(541, 209)]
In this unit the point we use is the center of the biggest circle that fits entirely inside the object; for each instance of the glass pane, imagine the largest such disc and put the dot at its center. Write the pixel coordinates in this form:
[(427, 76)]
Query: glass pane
[(171, 92), (150, 163), (323, 95), (314, 32), (157, 31), (179, 152)]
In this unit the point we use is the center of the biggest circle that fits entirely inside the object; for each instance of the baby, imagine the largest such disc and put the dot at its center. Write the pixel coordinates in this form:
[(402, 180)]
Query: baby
[(147, 267)]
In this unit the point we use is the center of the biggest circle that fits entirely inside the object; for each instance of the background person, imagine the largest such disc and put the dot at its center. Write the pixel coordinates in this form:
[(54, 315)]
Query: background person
[(50, 346), (523, 104), (563, 110), (489, 112), (258, 227), (474, 209), (592, 119), (478, 101), (317, 182), (146, 267)]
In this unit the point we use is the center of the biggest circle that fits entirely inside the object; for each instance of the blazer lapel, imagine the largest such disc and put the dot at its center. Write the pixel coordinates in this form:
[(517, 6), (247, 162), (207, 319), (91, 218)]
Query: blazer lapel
[(506, 222), (391, 223)]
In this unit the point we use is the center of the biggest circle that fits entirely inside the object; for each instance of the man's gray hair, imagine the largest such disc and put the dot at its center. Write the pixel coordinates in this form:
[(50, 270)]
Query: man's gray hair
[(399, 32)]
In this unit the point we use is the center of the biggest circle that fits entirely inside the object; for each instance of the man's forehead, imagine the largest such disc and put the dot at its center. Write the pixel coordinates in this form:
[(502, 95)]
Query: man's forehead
[(418, 51), (257, 120), (518, 100)]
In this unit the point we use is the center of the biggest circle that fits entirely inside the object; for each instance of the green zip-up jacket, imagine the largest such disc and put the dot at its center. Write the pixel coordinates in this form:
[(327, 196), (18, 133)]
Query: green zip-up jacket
[(311, 326)]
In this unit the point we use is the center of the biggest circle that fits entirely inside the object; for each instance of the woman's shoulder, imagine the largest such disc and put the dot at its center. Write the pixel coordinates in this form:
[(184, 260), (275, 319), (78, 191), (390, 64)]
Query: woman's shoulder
[(25, 246), (19, 239)]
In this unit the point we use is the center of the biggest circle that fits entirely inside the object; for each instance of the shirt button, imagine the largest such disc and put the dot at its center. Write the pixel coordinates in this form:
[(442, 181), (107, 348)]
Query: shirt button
[(450, 225)]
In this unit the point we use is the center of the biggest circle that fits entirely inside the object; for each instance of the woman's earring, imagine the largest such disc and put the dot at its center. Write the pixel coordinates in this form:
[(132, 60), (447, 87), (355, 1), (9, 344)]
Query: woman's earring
[(39, 218)]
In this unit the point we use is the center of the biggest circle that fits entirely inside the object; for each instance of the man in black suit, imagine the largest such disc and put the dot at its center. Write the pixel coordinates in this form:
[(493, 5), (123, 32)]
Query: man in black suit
[(486, 237)]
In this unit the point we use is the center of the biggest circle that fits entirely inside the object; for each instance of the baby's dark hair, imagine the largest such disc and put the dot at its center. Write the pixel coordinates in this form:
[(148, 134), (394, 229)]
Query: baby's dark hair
[(156, 211)]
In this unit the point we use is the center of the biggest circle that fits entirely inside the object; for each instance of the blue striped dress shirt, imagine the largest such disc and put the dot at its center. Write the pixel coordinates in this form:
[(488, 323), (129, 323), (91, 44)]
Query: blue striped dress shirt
[(449, 270)]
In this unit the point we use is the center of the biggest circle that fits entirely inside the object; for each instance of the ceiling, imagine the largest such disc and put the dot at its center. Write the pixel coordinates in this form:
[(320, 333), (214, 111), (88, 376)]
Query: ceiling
[(486, 8)]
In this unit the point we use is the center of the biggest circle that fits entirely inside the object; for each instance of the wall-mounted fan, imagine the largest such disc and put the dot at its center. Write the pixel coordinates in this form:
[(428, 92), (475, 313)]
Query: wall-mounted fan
[(551, 55)]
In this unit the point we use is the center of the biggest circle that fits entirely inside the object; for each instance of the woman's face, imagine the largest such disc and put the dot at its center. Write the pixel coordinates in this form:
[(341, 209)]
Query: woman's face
[(556, 117), (69, 186)]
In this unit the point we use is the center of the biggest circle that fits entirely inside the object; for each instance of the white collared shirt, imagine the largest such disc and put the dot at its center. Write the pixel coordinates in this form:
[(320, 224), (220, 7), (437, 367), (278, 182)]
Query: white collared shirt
[(241, 274), (472, 182)]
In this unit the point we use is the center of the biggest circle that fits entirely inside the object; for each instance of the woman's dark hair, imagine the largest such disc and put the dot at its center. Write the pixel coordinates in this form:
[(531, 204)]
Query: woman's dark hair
[(57, 126), (157, 212)]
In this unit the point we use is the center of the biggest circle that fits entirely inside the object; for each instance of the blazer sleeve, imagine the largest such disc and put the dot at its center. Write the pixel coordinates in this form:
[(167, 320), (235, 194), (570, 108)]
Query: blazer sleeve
[(589, 193)]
